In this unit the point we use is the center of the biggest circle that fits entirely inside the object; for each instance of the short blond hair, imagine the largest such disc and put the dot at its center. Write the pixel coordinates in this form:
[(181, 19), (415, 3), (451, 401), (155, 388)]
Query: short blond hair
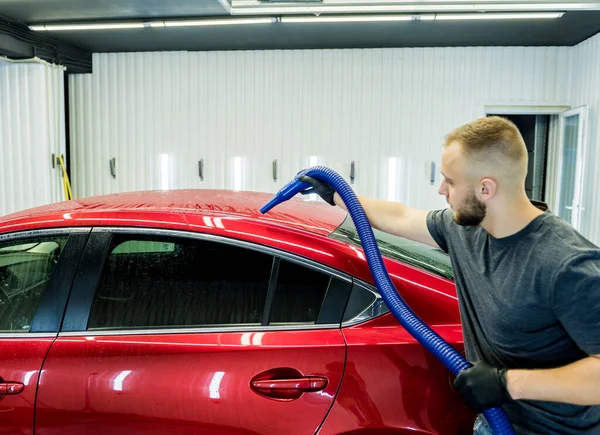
[(487, 140)]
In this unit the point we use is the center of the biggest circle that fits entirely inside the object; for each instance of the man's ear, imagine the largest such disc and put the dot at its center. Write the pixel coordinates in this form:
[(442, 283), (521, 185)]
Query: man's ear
[(487, 189)]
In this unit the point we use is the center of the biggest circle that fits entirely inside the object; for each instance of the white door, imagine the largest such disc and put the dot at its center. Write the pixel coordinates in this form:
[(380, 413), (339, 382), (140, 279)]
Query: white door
[(573, 127)]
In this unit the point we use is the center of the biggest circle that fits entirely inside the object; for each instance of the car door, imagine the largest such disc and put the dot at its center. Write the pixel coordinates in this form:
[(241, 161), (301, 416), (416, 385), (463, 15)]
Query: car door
[(168, 332), (36, 272)]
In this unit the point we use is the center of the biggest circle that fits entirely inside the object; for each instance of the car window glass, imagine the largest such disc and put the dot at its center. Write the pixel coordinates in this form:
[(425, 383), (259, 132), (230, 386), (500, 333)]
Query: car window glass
[(162, 282), (364, 303), (416, 254), (25, 270), (299, 294)]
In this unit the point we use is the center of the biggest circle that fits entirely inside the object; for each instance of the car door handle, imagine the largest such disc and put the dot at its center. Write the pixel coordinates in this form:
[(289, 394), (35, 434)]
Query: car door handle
[(306, 385), (10, 388)]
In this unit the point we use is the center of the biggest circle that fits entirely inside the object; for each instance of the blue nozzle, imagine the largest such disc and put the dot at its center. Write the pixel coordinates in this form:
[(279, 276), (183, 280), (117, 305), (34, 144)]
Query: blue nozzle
[(287, 192)]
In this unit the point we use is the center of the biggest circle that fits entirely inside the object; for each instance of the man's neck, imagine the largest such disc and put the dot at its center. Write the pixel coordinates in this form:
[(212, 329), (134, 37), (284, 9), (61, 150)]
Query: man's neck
[(510, 218)]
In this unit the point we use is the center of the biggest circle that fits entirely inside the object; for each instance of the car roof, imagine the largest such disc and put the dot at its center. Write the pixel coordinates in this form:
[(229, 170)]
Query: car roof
[(297, 213)]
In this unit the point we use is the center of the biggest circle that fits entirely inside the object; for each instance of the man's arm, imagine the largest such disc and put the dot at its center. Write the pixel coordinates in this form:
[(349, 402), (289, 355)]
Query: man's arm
[(390, 217), (577, 383), (395, 218), (484, 386)]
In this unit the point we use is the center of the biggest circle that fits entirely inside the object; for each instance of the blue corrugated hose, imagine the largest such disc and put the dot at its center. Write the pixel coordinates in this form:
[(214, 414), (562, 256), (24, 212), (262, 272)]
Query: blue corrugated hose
[(407, 318)]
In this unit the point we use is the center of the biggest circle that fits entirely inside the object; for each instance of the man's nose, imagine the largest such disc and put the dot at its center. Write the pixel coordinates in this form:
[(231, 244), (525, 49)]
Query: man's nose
[(442, 190)]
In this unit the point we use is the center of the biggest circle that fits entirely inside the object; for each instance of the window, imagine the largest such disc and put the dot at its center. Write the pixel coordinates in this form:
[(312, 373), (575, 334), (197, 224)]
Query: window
[(299, 294), (25, 270), (170, 282), (160, 282), (364, 304), (397, 248)]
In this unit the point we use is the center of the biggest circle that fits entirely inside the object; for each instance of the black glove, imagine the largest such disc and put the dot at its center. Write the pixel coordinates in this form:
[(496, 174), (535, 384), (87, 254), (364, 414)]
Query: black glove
[(321, 188), (482, 386)]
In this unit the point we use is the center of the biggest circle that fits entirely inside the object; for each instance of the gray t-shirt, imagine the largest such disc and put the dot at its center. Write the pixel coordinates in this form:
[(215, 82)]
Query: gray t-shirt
[(529, 300)]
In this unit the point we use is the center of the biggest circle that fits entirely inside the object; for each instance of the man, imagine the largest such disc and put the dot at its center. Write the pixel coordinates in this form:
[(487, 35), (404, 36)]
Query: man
[(528, 284)]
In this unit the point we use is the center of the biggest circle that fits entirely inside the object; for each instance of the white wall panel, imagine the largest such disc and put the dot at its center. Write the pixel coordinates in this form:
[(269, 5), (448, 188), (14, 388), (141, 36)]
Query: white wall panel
[(362, 105), (31, 130), (585, 90)]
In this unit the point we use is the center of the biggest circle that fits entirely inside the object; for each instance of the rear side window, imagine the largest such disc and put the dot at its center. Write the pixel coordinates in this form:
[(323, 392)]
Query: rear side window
[(25, 271), (172, 282), (299, 295)]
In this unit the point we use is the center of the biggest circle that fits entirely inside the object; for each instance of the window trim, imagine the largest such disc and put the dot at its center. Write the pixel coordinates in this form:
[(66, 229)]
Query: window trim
[(49, 315), (27, 335), (170, 331), (84, 287)]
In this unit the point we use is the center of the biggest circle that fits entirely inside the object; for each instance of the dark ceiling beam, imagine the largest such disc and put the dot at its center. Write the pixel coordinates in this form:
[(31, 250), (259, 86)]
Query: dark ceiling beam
[(18, 42), (13, 48)]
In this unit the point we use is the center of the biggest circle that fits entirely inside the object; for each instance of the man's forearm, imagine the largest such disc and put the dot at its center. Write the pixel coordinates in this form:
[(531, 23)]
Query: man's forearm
[(577, 383), (383, 215)]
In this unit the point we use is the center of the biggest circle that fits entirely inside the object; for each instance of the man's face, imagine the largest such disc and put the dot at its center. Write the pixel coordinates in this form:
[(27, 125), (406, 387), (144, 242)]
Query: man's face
[(459, 192)]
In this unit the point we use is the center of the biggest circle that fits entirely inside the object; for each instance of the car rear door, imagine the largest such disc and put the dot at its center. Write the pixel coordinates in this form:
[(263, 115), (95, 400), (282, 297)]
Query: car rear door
[(168, 332), (36, 272)]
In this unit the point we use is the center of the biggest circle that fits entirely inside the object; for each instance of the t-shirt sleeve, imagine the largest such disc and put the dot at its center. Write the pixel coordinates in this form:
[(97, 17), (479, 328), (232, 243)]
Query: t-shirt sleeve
[(576, 300), (438, 223)]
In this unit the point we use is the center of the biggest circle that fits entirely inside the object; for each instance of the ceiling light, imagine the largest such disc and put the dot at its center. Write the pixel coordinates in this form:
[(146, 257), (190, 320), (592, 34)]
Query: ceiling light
[(98, 26), (539, 7), (141, 25), (222, 22), (356, 18), (494, 16), (412, 7)]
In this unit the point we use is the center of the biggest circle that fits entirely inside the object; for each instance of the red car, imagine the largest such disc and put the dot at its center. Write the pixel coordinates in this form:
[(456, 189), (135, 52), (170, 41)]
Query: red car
[(189, 312)]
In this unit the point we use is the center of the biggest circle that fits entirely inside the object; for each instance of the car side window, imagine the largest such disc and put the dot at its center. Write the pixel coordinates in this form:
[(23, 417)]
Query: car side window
[(299, 294), (151, 281), (165, 282), (26, 267)]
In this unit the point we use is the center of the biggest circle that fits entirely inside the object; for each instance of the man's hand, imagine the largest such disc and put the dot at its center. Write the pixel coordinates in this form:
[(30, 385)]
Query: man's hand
[(482, 386), (319, 187)]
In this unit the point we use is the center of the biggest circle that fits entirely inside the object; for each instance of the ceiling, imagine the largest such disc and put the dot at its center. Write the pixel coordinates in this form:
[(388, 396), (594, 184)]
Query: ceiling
[(570, 29), (31, 11)]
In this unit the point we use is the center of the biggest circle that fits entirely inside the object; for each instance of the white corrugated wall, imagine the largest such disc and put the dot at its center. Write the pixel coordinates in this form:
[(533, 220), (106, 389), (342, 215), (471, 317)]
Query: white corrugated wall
[(585, 90), (158, 114), (32, 128)]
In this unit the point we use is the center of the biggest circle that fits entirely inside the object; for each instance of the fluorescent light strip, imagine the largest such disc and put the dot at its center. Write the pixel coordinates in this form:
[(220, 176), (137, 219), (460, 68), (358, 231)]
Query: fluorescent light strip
[(99, 26), (140, 25), (495, 16), (310, 19), (357, 18), (228, 22), (420, 7), (245, 4)]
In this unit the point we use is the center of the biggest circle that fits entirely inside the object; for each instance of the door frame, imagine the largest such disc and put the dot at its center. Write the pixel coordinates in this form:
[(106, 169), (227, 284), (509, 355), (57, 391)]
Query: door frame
[(554, 110), (583, 113)]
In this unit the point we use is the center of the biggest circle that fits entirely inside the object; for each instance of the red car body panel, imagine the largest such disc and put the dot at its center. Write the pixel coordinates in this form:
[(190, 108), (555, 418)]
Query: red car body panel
[(185, 383), (169, 208), (392, 382), (380, 380), (20, 361)]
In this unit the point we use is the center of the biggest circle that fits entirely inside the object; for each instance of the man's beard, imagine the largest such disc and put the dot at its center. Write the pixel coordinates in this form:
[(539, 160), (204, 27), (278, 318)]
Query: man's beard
[(471, 213)]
